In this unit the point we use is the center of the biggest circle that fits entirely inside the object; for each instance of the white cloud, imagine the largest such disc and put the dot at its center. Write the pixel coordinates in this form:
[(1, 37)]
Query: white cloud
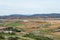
[(29, 6)]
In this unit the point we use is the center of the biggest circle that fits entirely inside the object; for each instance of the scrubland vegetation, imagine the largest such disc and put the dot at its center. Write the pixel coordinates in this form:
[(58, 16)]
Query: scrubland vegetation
[(30, 31)]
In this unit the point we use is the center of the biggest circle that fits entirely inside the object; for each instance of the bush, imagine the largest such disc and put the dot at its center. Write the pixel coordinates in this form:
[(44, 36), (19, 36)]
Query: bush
[(37, 37), (13, 38), (2, 37)]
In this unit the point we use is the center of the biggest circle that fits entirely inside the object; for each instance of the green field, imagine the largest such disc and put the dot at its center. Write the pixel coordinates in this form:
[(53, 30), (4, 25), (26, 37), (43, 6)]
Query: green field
[(14, 24)]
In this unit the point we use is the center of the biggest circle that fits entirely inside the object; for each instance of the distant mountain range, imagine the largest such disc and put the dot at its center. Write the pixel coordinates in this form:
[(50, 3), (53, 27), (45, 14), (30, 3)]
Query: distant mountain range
[(55, 15)]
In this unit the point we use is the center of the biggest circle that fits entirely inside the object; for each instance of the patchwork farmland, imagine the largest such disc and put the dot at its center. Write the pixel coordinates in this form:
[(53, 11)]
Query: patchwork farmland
[(25, 28)]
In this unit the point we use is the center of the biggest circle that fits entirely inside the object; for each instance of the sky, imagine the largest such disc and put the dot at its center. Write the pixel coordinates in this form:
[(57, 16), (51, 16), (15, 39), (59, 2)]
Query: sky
[(8, 7)]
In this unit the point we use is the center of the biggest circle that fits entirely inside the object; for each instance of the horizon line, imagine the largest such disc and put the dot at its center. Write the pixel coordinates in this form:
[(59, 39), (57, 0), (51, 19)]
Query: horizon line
[(28, 14)]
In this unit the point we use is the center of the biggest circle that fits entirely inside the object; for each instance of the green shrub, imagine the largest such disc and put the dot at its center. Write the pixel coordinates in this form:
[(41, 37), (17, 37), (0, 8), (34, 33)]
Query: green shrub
[(13, 38), (37, 37)]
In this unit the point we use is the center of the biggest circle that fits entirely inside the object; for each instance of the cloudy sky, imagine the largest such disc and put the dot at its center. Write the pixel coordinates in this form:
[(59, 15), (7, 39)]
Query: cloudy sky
[(29, 6)]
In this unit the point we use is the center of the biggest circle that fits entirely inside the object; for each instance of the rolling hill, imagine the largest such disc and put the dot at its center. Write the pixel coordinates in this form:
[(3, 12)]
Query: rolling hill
[(52, 15)]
